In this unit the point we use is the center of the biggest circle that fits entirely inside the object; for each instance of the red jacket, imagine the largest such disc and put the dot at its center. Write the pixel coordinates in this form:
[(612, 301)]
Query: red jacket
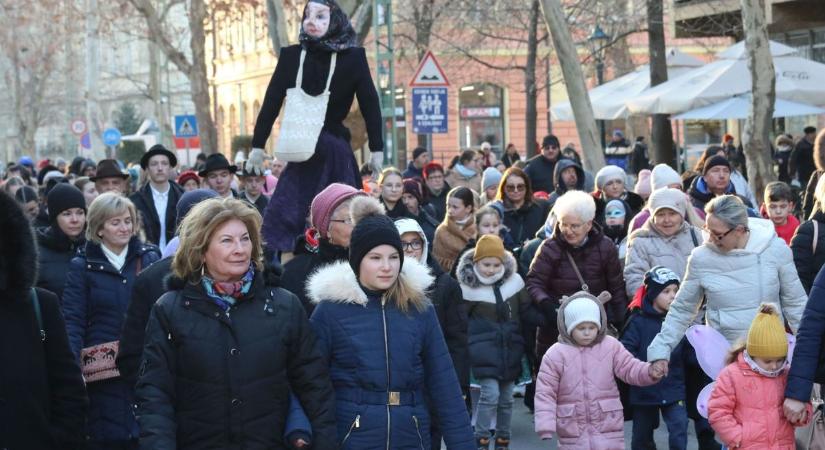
[(787, 231)]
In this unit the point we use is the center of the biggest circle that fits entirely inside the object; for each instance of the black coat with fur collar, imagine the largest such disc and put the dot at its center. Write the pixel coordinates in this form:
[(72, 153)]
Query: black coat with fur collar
[(215, 379), (43, 401)]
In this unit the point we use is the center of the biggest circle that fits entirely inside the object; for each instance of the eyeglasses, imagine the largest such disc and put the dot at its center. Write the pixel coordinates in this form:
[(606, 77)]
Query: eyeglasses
[(515, 187), (412, 245), (574, 227), (717, 236), (347, 221)]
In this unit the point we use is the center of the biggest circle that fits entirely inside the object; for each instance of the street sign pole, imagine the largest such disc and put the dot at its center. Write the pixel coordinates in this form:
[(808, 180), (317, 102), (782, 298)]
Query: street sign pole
[(430, 100), (385, 68), (188, 153)]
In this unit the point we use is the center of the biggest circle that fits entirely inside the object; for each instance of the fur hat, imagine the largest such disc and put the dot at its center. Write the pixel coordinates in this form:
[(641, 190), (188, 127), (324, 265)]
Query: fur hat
[(663, 176), (372, 229), (489, 246), (766, 336)]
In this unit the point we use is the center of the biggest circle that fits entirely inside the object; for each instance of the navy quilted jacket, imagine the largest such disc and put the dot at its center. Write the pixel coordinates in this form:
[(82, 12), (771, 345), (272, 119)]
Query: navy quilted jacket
[(94, 304), (385, 364)]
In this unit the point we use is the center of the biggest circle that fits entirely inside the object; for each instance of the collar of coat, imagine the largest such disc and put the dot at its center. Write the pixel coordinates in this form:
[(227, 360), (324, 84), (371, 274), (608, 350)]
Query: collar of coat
[(475, 291), (337, 283)]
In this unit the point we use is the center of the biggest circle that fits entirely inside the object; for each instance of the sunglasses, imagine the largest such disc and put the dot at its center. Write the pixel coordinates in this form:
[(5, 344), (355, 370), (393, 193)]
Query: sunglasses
[(515, 187)]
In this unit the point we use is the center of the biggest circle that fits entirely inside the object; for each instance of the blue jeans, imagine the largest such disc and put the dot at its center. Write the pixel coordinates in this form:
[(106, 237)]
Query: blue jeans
[(496, 399), (646, 418)]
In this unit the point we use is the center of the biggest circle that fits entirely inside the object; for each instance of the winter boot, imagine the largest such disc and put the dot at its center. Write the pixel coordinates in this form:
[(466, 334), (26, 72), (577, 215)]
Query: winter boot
[(483, 443), (502, 444)]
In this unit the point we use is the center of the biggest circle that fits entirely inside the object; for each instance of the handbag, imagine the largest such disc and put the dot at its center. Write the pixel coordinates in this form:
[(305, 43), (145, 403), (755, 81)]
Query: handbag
[(98, 361), (812, 436), (303, 118)]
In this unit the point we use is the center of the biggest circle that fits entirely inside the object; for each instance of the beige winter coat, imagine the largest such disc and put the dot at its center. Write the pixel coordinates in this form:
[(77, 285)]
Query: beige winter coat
[(734, 284), (646, 248)]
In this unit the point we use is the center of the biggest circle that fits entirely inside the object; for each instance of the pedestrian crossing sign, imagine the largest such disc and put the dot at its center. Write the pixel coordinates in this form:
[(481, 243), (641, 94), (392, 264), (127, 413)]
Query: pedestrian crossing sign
[(186, 126)]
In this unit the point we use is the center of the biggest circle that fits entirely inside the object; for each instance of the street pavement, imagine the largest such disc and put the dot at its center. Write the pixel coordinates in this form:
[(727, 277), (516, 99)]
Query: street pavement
[(524, 436)]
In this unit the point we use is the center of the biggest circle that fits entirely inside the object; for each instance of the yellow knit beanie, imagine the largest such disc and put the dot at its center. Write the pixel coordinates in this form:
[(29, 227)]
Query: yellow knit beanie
[(766, 337), (489, 246)]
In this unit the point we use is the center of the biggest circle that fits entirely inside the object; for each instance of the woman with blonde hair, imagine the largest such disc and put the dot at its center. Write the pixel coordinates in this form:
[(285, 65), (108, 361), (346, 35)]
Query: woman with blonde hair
[(98, 290), (225, 345), (381, 339)]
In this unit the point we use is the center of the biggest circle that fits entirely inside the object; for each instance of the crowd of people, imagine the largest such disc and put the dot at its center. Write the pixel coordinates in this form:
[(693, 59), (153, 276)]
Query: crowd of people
[(408, 313)]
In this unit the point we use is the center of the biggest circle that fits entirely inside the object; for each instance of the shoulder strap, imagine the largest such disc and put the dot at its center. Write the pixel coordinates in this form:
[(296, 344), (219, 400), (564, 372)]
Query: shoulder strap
[(693, 236), (816, 236), (585, 288), (38, 314), (332, 62), (300, 76)]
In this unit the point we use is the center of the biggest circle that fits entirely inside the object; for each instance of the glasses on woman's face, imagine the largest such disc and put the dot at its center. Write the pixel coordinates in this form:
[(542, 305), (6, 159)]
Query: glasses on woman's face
[(717, 236), (412, 245), (515, 187), (574, 227), (347, 221)]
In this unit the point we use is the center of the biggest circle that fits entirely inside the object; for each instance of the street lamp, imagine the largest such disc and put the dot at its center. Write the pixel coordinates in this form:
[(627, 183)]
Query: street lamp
[(598, 41)]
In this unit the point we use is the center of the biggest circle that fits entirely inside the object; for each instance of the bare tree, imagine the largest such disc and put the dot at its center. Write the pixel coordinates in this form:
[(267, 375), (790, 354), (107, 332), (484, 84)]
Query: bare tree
[(662, 134), (756, 138), (593, 157)]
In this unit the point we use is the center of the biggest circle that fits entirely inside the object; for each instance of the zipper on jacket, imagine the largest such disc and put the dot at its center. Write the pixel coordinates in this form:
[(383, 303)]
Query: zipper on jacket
[(418, 430), (387, 359), (354, 425)]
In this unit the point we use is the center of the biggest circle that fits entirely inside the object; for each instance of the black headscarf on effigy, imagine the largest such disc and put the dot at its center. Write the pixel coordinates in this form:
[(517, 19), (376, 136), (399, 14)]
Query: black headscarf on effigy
[(339, 36)]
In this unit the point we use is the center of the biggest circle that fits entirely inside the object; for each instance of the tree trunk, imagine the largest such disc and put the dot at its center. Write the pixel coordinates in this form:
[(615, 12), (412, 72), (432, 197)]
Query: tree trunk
[(592, 154), (663, 150), (530, 88), (200, 82), (756, 138), (276, 21)]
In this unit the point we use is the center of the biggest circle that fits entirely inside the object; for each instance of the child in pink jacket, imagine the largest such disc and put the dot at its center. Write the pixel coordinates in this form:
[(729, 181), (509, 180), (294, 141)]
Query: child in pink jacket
[(745, 408), (576, 394)]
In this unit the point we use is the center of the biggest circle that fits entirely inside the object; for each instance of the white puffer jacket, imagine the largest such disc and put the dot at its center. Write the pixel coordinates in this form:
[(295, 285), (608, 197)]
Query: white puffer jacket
[(647, 248), (734, 284)]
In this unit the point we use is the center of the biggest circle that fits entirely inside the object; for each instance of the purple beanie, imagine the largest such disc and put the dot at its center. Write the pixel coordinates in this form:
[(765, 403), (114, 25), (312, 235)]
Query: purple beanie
[(324, 204)]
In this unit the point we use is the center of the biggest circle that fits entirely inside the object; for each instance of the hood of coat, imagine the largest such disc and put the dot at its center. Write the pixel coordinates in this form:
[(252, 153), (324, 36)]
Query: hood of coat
[(337, 283), (472, 288), (18, 251), (562, 164), (564, 336), (762, 234), (411, 226)]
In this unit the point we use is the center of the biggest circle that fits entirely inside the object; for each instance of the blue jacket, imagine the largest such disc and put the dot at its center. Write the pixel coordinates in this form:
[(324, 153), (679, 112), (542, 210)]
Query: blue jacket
[(386, 363), (94, 304), (809, 352), (644, 324)]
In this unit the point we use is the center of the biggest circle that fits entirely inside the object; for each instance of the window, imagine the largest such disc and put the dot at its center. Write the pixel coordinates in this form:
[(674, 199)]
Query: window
[(481, 116)]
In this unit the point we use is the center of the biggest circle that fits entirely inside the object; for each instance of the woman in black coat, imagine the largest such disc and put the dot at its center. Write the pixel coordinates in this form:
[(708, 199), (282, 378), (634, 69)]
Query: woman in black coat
[(808, 244), (43, 401), (325, 32), (58, 243), (223, 347), (523, 216)]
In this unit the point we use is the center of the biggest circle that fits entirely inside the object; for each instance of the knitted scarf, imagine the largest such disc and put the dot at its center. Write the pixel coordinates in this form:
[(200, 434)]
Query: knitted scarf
[(226, 294)]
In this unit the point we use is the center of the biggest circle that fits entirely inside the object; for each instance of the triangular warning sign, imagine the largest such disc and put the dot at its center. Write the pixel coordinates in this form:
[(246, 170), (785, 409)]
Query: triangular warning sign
[(185, 128), (429, 73)]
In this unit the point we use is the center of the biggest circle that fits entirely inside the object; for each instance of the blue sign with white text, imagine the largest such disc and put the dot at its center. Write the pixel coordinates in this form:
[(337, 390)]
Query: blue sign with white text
[(429, 110)]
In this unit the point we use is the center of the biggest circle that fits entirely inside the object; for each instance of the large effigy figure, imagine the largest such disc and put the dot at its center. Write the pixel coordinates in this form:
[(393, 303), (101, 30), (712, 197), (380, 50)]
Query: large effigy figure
[(327, 59)]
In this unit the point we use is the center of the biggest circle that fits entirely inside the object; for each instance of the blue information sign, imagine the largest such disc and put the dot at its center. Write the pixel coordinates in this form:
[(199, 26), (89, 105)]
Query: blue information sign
[(429, 110), (111, 137)]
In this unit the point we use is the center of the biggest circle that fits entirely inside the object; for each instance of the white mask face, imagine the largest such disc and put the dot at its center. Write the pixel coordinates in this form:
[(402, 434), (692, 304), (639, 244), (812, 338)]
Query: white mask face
[(316, 22)]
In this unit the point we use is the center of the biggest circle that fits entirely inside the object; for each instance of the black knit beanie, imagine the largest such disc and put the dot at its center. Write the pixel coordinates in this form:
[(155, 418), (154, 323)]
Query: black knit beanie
[(717, 160), (372, 228), (62, 197)]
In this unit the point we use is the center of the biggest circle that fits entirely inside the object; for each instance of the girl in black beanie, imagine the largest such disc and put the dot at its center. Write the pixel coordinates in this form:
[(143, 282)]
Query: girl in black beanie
[(58, 242)]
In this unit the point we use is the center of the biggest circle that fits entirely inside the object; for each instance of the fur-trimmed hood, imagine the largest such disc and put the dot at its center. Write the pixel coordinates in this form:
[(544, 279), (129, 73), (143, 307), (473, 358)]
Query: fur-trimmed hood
[(472, 287), (337, 283), (18, 251)]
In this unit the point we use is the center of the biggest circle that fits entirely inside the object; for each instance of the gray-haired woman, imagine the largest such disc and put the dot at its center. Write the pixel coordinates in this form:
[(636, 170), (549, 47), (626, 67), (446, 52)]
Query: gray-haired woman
[(742, 264)]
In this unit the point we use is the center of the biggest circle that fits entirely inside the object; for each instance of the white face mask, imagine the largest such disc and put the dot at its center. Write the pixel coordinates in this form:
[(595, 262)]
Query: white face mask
[(316, 23)]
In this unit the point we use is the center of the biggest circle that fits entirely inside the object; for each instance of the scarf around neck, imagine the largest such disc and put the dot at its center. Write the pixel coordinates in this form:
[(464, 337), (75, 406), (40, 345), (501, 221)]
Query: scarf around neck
[(765, 373), (464, 172), (339, 36), (226, 294)]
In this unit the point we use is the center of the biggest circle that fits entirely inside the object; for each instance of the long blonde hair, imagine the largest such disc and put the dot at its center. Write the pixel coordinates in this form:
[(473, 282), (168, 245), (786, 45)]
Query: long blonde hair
[(403, 294)]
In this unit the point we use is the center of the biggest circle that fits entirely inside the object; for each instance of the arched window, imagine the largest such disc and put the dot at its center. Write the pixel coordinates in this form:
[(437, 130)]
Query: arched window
[(481, 116), (221, 127), (233, 122)]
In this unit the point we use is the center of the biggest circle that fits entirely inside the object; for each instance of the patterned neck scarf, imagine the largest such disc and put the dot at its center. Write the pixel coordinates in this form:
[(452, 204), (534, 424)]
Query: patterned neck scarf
[(766, 373), (227, 294), (339, 36)]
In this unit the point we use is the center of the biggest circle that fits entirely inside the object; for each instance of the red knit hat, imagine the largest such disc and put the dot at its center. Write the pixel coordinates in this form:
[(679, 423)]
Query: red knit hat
[(324, 204), (432, 167), (188, 175)]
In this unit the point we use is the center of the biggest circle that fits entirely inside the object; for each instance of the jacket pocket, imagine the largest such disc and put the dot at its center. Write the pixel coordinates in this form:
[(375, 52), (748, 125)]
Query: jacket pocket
[(610, 416), (418, 432), (567, 426), (356, 423)]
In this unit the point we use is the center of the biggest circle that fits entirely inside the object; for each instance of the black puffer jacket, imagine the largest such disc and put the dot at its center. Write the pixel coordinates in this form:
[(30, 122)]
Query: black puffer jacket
[(445, 294), (211, 379), (55, 252), (298, 269), (524, 222), (43, 402), (809, 261)]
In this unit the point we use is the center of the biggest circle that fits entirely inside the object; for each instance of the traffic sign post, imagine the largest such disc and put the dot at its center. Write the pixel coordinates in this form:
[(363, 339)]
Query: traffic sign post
[(429, 110), (111, 137), (78, 127), (186, 126)]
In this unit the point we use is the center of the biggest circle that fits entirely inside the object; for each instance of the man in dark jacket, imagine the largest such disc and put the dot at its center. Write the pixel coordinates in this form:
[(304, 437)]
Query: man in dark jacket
[(437, 188), (802, 157), (156, 200), (715, 181), (43, 401), (420, 159), (541, 168), (568, 176)]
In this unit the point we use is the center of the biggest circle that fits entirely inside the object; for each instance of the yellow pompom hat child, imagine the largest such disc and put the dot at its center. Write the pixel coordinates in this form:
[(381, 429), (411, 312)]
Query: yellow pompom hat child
[(766, 337)]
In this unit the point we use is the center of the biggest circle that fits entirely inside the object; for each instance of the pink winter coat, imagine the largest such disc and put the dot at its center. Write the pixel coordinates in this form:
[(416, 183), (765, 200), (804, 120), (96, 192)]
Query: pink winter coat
[(745, 409), (576, 394)]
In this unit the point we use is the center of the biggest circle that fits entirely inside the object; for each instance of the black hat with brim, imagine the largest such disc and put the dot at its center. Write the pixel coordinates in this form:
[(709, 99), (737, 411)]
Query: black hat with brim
[(158, 149), (108, 168), (216, 161)]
